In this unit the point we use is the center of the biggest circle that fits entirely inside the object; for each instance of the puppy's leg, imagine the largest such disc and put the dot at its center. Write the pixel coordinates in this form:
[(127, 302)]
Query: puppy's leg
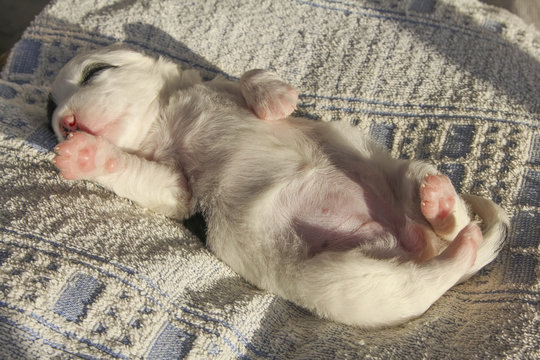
[(267, 96), (150, 184)]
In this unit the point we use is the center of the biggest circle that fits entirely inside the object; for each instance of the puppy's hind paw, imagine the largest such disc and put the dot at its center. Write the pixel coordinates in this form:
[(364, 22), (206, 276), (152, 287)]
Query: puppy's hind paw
[(438, 198), (267, 96), (441, 206)]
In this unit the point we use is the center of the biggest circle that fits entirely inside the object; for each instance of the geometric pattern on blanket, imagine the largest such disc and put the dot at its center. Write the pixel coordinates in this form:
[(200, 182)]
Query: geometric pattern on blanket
[(84, 273)]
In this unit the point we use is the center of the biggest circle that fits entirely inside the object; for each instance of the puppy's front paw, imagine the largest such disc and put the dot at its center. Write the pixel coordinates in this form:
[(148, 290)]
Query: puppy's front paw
[(267, 96), (84, 156)]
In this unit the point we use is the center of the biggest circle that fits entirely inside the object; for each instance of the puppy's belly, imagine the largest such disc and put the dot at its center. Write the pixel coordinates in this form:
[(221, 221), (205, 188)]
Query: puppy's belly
[(352, 216), (334, 233), (339, 224)]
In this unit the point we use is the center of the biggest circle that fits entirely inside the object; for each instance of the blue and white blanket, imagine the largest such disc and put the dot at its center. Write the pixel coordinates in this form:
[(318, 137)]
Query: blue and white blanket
[(84, 273)]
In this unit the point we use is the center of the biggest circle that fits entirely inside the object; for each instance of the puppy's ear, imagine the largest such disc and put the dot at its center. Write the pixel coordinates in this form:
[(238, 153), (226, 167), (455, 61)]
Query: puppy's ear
[(93, 70)]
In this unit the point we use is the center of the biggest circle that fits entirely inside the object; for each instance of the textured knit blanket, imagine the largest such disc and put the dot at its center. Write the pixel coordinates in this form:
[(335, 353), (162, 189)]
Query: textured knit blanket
[(85, 273)]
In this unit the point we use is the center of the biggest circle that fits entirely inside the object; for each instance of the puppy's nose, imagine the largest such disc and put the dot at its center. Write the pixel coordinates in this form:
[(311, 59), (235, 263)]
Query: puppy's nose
[(68, 124)]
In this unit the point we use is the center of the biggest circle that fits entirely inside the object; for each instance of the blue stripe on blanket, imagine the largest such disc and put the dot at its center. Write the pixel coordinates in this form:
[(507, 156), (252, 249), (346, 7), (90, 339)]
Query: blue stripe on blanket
[(404, 18), (387, 103), (396, 114)]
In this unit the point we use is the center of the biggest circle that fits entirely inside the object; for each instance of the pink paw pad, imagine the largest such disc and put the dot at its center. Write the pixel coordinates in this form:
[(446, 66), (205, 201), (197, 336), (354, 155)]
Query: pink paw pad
[(438, 197), (77, 157), (111, 165)]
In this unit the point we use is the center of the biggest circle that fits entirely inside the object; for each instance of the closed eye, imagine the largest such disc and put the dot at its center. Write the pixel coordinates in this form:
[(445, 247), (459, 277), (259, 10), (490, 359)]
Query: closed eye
[(93, 70)]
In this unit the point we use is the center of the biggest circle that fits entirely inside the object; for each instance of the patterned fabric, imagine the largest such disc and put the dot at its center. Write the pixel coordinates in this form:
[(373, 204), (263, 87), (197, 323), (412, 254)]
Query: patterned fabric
[(84, 273)]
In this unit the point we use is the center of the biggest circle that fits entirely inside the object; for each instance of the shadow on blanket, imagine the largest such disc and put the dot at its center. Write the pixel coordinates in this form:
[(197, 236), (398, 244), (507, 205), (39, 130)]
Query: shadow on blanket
[(504, 78), (146, 37)]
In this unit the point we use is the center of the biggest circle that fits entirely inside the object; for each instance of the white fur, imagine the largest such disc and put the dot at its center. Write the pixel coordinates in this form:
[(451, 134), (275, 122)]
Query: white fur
[(312, 211)]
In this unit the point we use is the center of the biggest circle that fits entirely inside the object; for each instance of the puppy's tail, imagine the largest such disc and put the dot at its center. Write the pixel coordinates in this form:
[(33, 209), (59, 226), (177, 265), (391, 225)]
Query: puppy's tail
[(357, 290)]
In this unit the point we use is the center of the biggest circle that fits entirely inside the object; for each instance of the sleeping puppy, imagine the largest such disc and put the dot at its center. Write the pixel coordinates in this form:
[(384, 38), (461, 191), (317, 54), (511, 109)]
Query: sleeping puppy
[(313, 211)]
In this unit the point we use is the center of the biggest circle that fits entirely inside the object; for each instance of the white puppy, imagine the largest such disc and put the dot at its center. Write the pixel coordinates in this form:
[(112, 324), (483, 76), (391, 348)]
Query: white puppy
[(312, 211)]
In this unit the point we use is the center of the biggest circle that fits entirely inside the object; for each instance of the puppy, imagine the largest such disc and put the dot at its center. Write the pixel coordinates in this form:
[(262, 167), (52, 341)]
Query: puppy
[(313, 211)]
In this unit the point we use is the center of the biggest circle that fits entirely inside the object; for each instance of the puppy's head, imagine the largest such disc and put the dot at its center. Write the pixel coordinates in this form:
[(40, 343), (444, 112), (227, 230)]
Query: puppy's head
[(112, 92)]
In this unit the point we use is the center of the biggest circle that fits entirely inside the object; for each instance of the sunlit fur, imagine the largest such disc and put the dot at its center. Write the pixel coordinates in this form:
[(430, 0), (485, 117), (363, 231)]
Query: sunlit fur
[(312, 211)]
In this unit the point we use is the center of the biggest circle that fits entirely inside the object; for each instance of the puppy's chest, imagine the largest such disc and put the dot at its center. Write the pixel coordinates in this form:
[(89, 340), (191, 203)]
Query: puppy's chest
[(214, 98), (200, 133)]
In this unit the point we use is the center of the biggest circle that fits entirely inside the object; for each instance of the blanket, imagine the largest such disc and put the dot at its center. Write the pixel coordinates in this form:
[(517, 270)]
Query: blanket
[(87, 274)]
